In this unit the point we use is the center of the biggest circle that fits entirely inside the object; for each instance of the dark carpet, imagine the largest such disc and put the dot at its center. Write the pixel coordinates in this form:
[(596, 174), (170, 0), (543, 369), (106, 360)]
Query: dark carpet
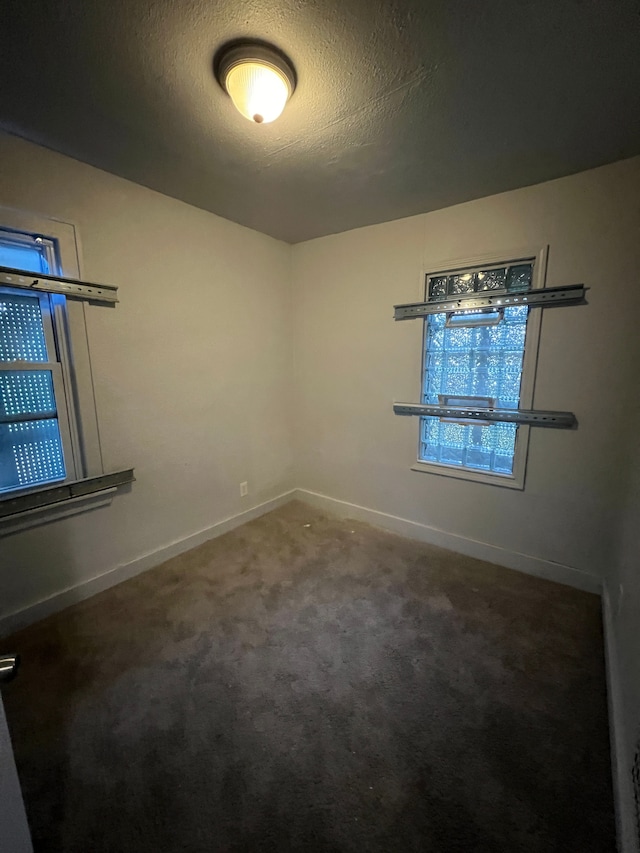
[(310, 684)]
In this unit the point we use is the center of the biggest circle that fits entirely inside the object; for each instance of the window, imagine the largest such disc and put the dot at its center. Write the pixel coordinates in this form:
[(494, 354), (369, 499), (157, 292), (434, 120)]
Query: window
[(35, 438), (50, 459), (483, 358), (49, 440)]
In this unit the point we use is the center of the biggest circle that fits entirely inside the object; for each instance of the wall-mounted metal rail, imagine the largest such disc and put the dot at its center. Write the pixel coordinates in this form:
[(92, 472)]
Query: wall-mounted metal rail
[(528, 417), (548, 297), (58, 494), (57, 284)]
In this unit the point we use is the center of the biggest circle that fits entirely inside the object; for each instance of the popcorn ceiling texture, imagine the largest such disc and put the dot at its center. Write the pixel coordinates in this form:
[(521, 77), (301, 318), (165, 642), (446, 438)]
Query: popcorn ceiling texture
[(305, 683), (401, 107)]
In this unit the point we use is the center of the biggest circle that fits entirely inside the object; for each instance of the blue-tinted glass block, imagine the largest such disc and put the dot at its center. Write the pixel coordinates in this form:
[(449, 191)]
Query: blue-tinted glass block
[(519, 277), (458, 339), (430, 429), (490, 360), (26, 392), (483, 383), (509, 388), (453, 435), (429, 447), (452, 455), (512, 361), (438, 287), (21, 329), (504, 436), (18, 256), (476, 432), (462, 283), (458, 362), (517, 314), (514, 336), (493, 338), (437, 339), (435, 361), (502, 464), (432, 391), (479, 459), (429, 452), (492, 279), (456, 384), (30, 454), (488, 438)]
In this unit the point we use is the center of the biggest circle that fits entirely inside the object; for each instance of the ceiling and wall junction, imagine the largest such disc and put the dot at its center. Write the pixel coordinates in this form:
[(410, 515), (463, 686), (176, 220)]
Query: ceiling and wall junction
[(402, 106)]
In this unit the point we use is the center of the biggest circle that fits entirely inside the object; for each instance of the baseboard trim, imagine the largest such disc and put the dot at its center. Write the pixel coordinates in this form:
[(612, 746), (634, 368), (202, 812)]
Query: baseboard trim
[(72, 595), (622, 788), (413, 530), (470, 547)]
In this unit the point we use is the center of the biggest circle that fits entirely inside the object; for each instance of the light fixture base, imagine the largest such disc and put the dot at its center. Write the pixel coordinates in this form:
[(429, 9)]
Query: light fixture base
[(230, 58)]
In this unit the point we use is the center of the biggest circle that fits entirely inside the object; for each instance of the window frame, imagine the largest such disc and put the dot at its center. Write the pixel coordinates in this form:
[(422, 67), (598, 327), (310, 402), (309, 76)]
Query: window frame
[(64, 319), (516, 479)]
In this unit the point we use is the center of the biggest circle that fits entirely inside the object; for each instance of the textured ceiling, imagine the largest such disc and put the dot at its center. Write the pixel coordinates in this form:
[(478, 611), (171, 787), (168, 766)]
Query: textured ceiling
[(402, 106)]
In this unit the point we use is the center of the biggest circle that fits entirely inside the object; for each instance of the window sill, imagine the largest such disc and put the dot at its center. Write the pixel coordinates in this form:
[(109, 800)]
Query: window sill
[(501, 480), (55, 502)]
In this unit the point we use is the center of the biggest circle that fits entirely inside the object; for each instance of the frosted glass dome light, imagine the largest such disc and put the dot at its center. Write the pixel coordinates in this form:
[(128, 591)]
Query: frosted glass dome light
[(258, 79)]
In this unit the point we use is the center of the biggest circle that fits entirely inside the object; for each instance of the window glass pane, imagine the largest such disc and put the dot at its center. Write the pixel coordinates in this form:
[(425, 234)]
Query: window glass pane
[(492, 279), (21, 329), (22, 256), (519, 277), (438, 287), (462, 283), (30, 454), (481, 361), (26, 392)]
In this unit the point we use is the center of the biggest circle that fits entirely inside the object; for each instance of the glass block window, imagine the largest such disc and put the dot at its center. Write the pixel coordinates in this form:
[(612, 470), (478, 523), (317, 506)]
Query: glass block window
[(31, 442), (474, 359)]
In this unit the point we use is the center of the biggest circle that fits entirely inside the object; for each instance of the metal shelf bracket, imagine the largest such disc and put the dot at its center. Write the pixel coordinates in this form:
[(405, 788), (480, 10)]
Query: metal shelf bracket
[(528, 417), (548, 297), (58, 284)]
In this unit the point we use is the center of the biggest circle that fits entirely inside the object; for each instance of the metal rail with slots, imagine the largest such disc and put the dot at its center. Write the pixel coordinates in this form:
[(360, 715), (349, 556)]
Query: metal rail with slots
[(528, 417), (548, 297), (58, 284)]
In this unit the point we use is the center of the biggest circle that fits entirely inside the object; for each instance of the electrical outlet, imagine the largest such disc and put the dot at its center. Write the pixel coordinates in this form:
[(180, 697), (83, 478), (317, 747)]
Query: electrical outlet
[(244, 489)]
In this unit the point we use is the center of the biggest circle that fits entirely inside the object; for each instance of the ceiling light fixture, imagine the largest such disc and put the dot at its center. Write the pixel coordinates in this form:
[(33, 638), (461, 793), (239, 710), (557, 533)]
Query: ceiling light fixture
[(258, 77)]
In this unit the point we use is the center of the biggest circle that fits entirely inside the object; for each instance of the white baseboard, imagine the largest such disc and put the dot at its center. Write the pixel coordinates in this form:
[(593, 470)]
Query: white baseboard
[(34, 612), (481, 550), (622, 787), (470, 547)]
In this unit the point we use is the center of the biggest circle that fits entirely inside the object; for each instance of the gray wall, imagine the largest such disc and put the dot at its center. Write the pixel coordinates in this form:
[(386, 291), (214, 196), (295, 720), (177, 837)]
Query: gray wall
[(191, 369), (624, 592), (352, 361)]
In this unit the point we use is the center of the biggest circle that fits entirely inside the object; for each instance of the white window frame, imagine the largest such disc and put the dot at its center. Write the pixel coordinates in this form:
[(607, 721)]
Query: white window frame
[(64, 320), (516, 479)]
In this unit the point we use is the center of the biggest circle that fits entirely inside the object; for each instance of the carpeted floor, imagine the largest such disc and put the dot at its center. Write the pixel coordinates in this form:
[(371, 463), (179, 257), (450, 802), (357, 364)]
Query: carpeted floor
[(310, 684)]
